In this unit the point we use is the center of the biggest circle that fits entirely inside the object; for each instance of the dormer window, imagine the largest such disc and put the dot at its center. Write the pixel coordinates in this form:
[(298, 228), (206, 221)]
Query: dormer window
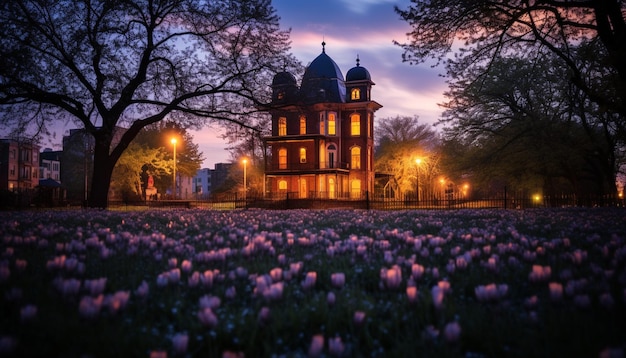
[(355, 94), (281, 95)]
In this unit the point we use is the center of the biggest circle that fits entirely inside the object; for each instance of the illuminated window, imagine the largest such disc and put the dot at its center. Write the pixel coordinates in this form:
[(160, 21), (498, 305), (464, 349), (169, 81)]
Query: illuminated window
[(332, 124), (282, 185), (282, 158), (355, 155), (355, 124), (355, 94), (282, 126), (369, 125), (302, 125), (302, 155), (355, 188)]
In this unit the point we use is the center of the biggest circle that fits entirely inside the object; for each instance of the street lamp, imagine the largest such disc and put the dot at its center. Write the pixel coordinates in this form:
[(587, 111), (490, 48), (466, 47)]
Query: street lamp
[(418, 161), (245, 185), (174, 180)]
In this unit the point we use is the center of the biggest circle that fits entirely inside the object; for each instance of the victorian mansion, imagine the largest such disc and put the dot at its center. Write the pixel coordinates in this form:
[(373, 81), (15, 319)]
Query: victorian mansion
[(322, 142)]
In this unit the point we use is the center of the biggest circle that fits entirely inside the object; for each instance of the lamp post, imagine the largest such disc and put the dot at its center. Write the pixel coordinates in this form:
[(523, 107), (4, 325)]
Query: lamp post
[(245, 184), (418, 161), (174, 180)]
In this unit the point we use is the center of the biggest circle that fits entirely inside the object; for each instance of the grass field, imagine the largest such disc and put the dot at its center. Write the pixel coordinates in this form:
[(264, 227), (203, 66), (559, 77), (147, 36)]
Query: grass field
[(339, 283)]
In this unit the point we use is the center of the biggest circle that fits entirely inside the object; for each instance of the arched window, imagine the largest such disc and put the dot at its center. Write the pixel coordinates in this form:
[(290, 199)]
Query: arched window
[(355, 158), (332, 124), (302, 155), (282, 185), (302, 125), (332, 155), (282, 158), (355, 94), (282, 126), (355, 124)]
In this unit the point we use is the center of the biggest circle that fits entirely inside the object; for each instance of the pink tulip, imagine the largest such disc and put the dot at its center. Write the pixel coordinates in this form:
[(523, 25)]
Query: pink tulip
[(411, 293), (309, 280), (194, 279), (179, 343), (452, 332), (317, 346), (393, 277), (89, 307), (265, 315), (143, 290), (437, 294), (556, 291), (207, 317), (186, 266), (330, 298), (276, 274), (417, 271), (211, 302), (338, 279), (335, 347), (359, 318)]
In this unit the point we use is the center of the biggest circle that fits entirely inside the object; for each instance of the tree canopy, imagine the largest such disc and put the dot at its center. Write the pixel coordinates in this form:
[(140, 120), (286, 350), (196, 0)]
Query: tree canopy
[(106, 64), (481, 31), (401, 141), (524, 126)]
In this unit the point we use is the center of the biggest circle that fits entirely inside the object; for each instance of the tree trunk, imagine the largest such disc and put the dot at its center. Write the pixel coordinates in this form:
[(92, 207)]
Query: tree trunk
[(102, 171)]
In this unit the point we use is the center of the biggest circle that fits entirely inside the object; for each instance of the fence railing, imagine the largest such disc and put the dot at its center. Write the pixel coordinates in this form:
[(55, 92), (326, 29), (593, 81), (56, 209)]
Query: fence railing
[(362, 200)]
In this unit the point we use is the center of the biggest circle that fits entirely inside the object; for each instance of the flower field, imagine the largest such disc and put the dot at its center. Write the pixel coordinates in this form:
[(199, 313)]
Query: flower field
[(334, 283)]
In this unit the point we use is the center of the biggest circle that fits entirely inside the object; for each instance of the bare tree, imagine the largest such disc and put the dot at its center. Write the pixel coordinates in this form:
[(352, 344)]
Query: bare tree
[(488, 29), (130, 63)]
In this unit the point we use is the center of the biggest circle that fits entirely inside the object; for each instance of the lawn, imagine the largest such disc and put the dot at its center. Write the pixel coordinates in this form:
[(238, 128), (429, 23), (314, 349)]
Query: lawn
[(338, 283)]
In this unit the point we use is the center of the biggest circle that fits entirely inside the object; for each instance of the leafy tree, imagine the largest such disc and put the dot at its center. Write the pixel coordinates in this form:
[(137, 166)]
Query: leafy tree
[(128, 176), (105, 64), (400, 141), (489, 29), (522, 126)]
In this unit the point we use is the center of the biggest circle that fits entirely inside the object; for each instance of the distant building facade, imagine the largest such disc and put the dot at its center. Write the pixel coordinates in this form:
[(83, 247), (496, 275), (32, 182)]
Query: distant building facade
[(19, 165), (202, 182), (50, 164), (208, 180), (322, 140)]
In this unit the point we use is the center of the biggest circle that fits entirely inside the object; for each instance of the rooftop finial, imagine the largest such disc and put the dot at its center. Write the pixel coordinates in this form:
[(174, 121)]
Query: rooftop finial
[(323, 46), (358, 62)]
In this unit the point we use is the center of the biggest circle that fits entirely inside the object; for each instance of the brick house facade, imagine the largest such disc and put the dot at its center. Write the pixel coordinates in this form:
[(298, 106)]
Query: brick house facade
[(322, 142)]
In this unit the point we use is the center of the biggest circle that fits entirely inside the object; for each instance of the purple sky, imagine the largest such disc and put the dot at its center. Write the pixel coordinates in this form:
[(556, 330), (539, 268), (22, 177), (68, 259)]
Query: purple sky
[(351, 27)]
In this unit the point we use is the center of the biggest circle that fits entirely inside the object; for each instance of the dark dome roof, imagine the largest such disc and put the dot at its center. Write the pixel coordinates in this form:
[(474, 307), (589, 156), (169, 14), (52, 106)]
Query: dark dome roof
[(323, 80), (358, 73), (284, 78)]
